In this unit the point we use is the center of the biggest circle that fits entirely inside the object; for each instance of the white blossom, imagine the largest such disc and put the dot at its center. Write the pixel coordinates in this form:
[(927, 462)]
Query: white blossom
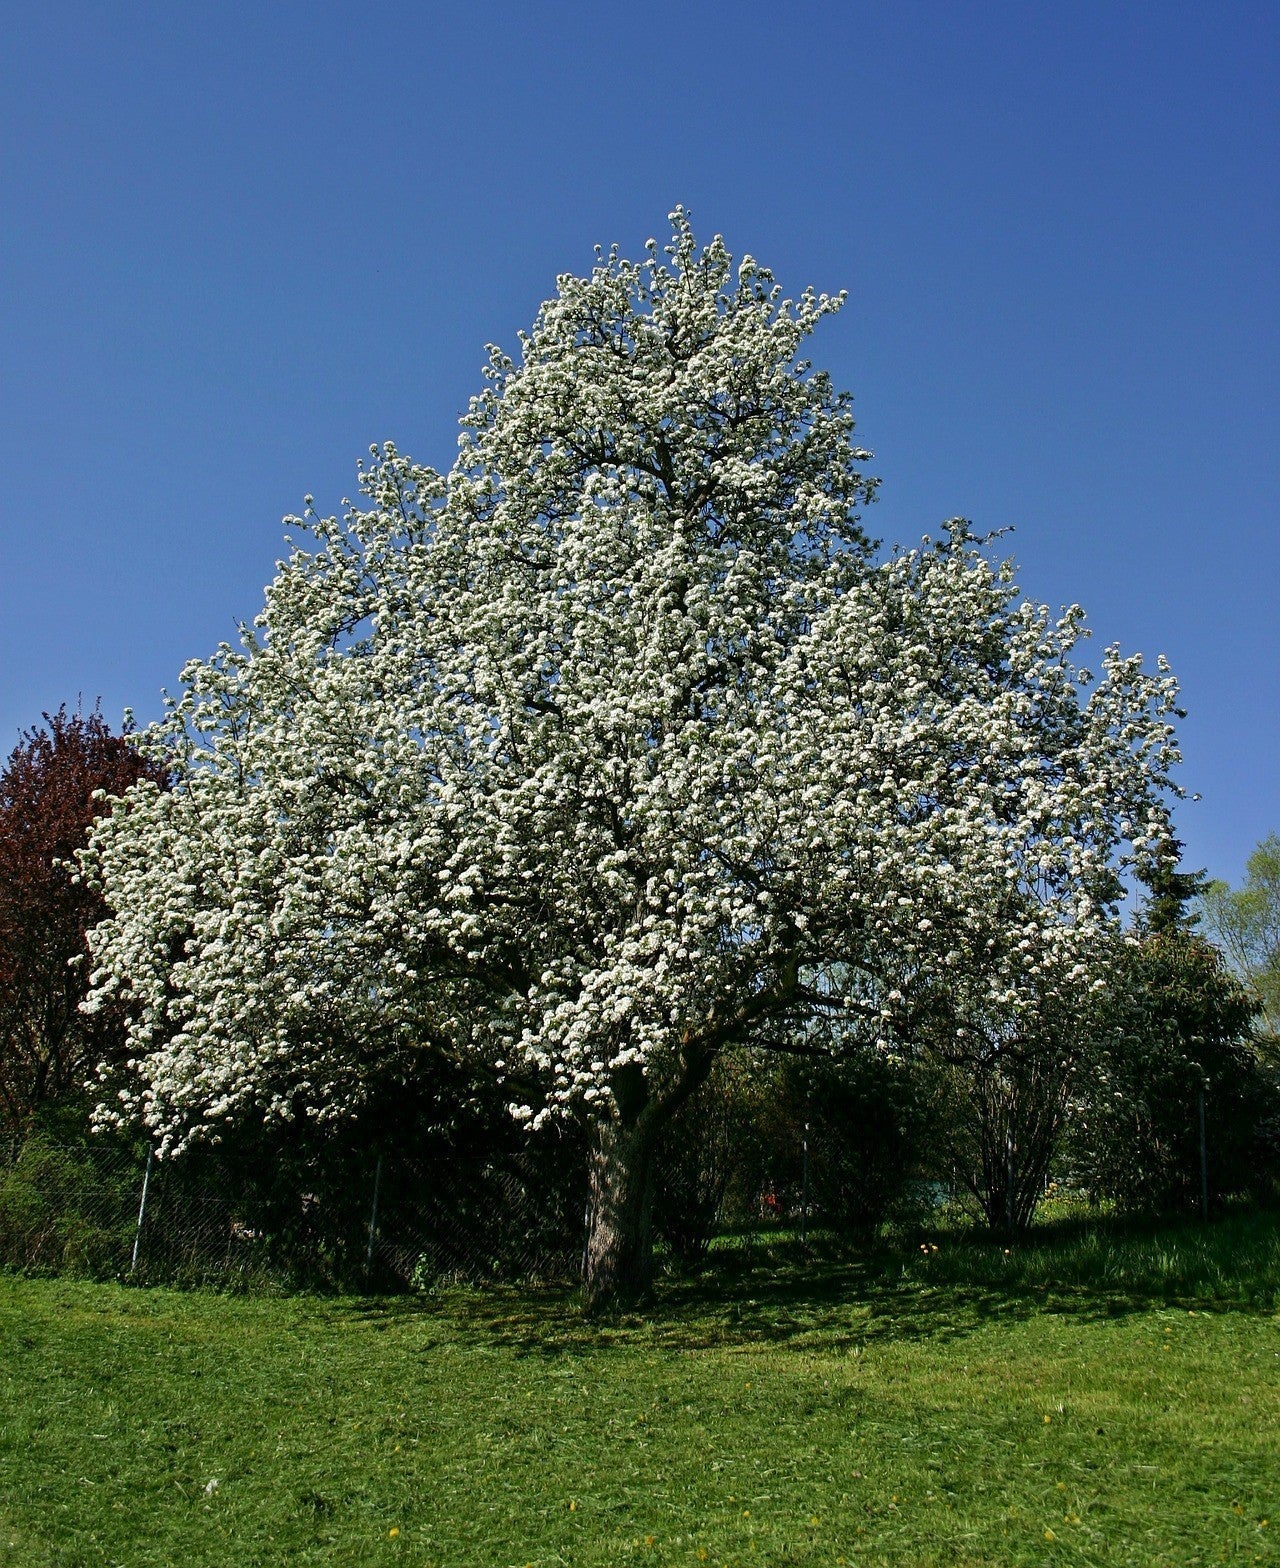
[(615, 745)]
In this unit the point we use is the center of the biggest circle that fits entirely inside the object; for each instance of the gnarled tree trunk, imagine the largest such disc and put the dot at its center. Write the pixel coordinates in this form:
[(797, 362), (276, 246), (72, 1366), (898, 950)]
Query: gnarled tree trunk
[(617, 1263), (618, 1258)]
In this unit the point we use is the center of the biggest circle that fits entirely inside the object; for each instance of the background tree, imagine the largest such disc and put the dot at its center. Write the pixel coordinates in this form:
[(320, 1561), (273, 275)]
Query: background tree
[(1007, 1077), (1175, 1023), (1246, 922), (870, 1120), (51, 791), (712, 1159), (613, 751), (1173, 895)]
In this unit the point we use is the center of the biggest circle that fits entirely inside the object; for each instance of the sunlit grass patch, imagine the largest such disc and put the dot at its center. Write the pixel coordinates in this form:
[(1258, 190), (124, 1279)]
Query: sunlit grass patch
[(907, 1407)]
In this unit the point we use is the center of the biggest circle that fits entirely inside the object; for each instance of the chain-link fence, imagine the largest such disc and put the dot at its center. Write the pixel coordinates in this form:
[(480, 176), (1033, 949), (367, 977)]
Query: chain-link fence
[(367, 1219)]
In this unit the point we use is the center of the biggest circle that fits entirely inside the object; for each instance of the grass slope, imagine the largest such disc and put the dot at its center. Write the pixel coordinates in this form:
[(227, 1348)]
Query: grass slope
[(1096, 1398)]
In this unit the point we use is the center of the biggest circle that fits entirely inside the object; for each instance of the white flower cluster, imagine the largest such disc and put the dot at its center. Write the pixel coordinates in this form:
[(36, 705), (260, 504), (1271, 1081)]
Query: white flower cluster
[(614, 746)]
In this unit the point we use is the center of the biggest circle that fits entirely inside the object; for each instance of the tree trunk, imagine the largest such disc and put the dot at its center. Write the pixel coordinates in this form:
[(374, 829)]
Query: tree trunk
[(617, 1264)]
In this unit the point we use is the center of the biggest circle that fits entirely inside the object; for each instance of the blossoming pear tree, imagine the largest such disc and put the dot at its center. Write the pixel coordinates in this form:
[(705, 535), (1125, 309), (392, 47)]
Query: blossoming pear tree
[(611, 749)]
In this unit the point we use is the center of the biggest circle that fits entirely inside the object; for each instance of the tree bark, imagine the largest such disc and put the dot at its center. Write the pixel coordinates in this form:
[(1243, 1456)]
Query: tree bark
[(617, 1262), (618, 1259)]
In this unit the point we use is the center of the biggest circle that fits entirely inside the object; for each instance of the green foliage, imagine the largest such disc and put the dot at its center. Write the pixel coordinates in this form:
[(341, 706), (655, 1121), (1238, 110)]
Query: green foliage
[(1003, 1104), (64, 1212), (462, 1191), (736, 1153), (712, 1157), (870, 1122), (1172, 893), (1176, 1023), (1246, 921)]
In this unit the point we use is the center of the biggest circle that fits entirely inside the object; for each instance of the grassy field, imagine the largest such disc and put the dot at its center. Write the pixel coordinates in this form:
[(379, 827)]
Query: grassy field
[(1101, 1396)]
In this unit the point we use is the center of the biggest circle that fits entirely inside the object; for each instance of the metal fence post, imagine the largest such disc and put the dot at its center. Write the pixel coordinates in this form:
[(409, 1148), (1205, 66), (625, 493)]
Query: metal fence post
[(804, 1192), (1008, 1183), (142, 1211), (1204, 1165), (373, 1215)]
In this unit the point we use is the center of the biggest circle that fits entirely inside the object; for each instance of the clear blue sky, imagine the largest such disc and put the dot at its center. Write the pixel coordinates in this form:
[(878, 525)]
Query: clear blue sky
[(239, 242)]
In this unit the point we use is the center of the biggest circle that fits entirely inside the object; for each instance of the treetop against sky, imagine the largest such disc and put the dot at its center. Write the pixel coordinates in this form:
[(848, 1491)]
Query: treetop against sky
[(239, 250)]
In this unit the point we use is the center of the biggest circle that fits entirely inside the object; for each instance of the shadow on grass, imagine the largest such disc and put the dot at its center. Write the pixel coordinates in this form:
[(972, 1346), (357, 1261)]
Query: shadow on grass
[(942, 1284)]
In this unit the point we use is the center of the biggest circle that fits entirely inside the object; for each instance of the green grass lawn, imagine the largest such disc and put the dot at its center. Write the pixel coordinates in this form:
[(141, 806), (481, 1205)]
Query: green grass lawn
[(1101, 1396)]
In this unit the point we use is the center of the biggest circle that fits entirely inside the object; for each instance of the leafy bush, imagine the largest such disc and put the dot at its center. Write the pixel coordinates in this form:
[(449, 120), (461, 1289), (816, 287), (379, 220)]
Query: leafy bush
[(61, 1212), (712, 1160), (869, 1122), (460, 1189), (1176, 1025), (736, 1152)]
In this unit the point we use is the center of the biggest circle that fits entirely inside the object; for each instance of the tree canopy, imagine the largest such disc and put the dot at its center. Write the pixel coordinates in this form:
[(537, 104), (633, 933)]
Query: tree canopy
[(1246, 921), (53, 787), (613, 747)]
